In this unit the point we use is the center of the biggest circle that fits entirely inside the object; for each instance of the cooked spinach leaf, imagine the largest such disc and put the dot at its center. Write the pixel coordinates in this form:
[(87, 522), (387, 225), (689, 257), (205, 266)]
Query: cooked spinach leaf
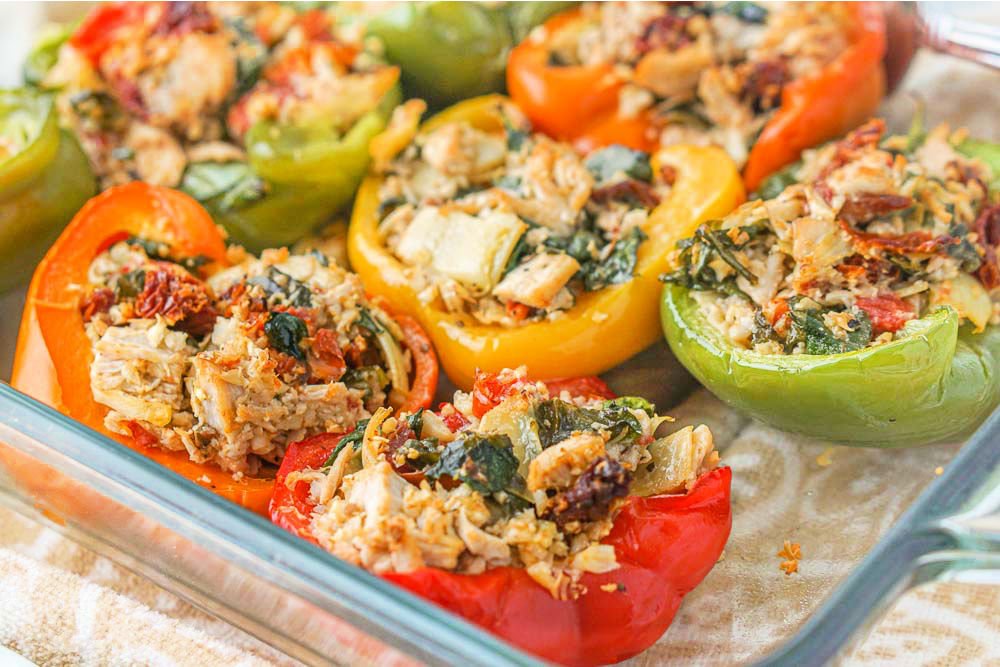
[(616, 159), (228, 185), (697, 252), (161, 251), (618, 267), (320, 257), (964, 251), (416, 422), (516, 137), (776, 183), (419, 453), (288, 290), (634, 403), (808, 328), (762, 330), (578, 245), (354, 439), (749, 12), (366, 378), (558, 420), (366, 320), (486, 463), (131, 284), (285, 333), (520, 251)]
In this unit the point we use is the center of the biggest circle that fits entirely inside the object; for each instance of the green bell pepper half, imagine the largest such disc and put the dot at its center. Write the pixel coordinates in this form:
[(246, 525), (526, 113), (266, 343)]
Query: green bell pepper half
[(296, 179), (936, 382), (450, 51), (42, 184)]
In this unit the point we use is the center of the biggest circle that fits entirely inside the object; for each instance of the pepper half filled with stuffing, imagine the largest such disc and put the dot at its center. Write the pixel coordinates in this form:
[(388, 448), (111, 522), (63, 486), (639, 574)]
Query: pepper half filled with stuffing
[(261, 111), (552, 515), (857, 300)]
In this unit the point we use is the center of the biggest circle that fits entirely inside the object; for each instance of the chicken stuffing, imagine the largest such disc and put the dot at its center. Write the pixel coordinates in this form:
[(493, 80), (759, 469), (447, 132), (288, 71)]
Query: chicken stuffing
[(461, 504), (232, 367), (510, 227), (874, 232), (176, 85), (712, 73)]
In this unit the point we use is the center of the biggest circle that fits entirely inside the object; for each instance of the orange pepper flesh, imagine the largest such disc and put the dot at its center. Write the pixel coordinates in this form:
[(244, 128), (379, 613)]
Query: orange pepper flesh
[(604, 327), (580, 103), (53, 356)]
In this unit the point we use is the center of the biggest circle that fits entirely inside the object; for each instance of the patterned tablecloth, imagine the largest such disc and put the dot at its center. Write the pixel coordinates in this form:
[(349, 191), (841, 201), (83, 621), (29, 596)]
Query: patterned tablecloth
[(61, 604)]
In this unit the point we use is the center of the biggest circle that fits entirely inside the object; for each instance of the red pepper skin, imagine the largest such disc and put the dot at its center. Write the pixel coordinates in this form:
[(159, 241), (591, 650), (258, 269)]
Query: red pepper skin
[(588, 387), (887, 312), (290, 508), (101, 28), (665, 546)]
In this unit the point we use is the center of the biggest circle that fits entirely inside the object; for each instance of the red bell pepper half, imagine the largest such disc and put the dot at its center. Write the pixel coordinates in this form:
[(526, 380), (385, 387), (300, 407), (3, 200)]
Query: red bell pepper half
[(665, 545)]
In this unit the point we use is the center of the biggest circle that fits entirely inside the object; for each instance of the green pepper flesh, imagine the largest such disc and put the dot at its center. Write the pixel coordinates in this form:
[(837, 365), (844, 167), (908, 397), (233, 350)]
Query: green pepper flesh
[(937, 382), (41, 186)]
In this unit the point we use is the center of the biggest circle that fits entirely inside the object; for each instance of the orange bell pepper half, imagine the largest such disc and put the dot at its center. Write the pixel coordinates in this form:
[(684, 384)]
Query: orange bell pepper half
[(580, 103), (53, 357)]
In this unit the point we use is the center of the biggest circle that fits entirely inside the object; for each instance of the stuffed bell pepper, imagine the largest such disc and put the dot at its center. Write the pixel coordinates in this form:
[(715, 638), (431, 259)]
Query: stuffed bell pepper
[(550, 516), (261, 112), (44, 180), (857, 304), (141, 324), (763, 82), (509, 247)]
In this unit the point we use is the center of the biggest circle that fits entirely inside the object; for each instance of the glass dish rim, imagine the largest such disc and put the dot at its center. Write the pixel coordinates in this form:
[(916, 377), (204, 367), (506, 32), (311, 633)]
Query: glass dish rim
[(420, 628), (189, 510)]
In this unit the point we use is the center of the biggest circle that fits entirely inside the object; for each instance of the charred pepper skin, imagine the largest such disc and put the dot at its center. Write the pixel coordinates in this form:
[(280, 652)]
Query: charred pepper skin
[(707, 186), (937, 382), (41, 186)]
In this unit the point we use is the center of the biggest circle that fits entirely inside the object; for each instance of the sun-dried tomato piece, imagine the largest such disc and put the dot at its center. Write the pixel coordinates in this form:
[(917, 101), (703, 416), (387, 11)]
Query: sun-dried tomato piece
[(98, 301), (327, 363), (763, 84), (639, 192), (920, 242), (180, 18), (987, 228), (667, 32), (866, 207), (866, 136), (590, 497), (180, 299)]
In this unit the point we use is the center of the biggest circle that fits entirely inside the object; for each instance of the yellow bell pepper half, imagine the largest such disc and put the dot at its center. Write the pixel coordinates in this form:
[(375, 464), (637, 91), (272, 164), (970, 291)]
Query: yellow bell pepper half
[(605, 327)]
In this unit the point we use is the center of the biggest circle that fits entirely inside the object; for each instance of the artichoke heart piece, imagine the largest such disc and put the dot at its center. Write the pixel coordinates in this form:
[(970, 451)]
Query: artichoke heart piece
[(472, 250), (967, 296)]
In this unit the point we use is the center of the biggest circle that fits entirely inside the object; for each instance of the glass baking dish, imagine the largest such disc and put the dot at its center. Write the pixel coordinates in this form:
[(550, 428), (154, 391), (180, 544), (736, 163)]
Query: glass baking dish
[(305, 602)]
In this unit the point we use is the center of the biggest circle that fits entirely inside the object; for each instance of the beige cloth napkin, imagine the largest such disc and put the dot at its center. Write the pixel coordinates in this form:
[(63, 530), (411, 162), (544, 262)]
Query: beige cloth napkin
[(61, 604)]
